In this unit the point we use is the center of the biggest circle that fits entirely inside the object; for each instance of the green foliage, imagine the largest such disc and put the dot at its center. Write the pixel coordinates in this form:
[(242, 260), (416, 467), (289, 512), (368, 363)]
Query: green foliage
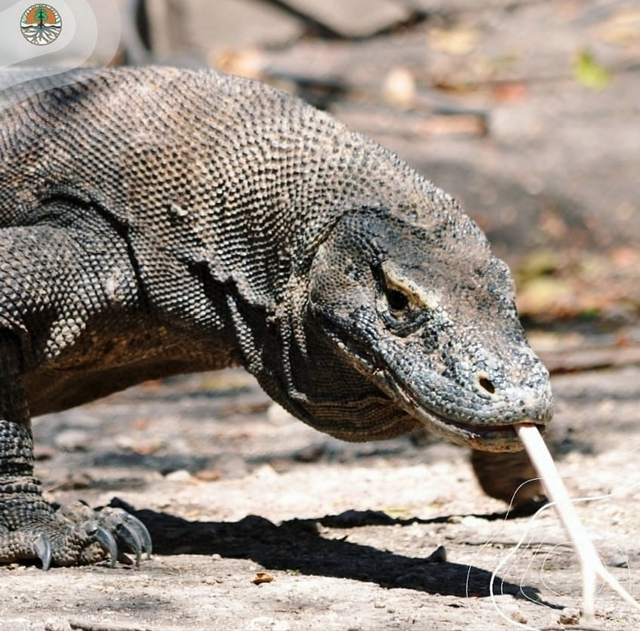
[(588, 72)]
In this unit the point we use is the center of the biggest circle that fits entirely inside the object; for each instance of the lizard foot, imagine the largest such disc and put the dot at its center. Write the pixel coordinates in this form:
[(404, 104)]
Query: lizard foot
[(76, 534)]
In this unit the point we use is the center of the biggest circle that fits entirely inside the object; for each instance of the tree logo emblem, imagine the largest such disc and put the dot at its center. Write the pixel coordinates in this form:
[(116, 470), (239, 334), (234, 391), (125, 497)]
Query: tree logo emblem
[(41, 24)]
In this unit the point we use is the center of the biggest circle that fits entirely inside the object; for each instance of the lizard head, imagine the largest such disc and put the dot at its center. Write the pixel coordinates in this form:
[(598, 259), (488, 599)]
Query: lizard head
[(426, 313)]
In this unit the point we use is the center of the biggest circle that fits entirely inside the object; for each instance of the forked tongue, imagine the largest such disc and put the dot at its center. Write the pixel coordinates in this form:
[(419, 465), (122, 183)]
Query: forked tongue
[(590, 564)]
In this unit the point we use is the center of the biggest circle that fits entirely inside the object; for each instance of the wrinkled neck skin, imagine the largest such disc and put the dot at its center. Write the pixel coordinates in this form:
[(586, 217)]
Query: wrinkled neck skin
[(453, 359)]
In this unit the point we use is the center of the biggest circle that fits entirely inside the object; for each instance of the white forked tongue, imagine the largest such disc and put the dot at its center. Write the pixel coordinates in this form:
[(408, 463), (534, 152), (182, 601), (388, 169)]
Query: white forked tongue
[(590, 564)]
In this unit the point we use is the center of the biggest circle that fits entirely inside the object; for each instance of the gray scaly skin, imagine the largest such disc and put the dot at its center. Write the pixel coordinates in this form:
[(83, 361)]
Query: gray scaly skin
[(159, 221)]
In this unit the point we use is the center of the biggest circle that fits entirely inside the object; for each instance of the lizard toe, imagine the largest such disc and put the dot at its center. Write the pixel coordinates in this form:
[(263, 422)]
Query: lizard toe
[(106, 540), (75, 534), (42, 547)]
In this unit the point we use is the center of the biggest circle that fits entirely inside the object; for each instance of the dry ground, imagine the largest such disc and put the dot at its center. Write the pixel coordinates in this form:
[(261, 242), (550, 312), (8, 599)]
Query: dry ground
[(232, 487)]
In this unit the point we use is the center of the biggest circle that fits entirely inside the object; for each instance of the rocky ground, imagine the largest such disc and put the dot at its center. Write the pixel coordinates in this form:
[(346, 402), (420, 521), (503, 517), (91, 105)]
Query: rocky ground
[(528, 111)]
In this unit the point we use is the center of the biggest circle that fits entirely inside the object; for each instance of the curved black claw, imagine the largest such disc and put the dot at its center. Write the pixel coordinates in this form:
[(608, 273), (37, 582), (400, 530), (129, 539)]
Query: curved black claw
[(129, 537), (108, 542), (130, 534), (133, 523), (75, 534), (42, 547)]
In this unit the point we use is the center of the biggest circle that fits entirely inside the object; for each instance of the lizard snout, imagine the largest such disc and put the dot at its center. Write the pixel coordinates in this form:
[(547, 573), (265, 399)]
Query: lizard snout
[(502, 387)]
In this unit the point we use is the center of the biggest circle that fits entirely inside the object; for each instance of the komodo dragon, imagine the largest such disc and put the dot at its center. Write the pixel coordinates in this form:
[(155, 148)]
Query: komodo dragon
[(159, 221)]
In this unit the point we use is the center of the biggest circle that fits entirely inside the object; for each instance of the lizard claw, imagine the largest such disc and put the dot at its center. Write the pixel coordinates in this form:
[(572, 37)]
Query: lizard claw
[(130, 538), (75, 534), (108, 542), (134, 525), (42, 547), (129, 530)]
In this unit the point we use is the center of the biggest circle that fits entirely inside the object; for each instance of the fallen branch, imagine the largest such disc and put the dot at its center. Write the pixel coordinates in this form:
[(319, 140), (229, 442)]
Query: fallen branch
[(86, 625), (578, 360)]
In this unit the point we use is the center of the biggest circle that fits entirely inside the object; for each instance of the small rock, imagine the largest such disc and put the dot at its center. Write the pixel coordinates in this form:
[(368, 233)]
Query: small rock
[(211, 580), (517, 616), (569, 616), (265, 473), (618, 560), (208, 475), (182, 475), (280, 465), (73, 440), (399, 88), (311, 453)]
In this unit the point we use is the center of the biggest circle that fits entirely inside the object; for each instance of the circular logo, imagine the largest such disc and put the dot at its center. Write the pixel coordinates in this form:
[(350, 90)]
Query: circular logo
[(41, 24)]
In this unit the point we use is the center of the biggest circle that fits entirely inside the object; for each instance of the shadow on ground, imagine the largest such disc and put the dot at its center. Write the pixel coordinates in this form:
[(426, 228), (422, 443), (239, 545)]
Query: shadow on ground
[(298, 546)]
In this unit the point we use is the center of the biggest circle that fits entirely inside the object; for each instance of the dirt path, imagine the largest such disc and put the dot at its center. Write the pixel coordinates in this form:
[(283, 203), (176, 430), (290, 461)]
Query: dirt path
[(231, 488)]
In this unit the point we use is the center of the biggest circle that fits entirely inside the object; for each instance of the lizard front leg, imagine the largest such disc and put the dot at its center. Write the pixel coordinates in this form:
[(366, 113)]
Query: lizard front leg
[(30, 527), (35, 289)]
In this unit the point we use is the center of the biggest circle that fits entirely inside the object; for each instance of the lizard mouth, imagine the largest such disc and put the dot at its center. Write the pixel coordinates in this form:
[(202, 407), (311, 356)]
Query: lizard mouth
[(481, 436), (484, 436), (497, 436)]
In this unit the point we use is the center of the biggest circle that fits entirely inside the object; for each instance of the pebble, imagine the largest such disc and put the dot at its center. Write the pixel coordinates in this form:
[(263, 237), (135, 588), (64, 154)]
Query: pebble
[(618, 560), (181, 475), (73, 440), (569, 616), (399, 88)]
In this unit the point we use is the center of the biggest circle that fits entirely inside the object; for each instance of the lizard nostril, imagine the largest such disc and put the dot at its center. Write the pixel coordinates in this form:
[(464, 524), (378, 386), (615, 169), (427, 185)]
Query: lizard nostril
[(487, 384)]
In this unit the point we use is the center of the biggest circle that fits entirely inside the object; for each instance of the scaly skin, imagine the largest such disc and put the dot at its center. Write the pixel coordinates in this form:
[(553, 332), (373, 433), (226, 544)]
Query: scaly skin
[(157, 221)]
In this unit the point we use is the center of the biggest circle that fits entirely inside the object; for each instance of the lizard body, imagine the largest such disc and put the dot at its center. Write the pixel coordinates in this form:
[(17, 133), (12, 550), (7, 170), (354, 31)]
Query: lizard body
[(158, 221)]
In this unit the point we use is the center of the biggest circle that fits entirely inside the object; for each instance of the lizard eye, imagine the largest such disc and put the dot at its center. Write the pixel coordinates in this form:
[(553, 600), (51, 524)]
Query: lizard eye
[(403, 305), (396, 300)]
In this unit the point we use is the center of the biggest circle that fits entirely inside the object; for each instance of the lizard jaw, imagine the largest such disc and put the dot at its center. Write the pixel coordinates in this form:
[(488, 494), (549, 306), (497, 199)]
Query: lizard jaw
[(484, 437), (497, 437)]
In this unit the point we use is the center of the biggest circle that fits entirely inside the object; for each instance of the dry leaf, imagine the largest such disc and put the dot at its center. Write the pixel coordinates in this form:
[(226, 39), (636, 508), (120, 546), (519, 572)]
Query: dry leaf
[(262, 577), (458, 40)]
